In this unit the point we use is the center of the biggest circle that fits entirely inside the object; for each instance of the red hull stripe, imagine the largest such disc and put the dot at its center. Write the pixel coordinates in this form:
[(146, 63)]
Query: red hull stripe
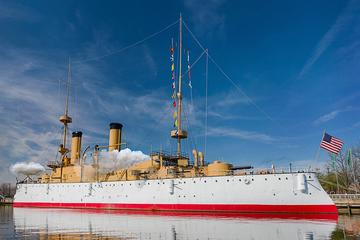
[(244, 208)]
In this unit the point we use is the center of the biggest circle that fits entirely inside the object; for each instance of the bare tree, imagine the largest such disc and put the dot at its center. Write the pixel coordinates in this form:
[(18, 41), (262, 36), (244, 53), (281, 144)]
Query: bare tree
[(346, 166), (7, 190)]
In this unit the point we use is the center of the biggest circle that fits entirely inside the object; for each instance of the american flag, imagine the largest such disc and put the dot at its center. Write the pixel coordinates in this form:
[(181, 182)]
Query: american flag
[(331, 144)]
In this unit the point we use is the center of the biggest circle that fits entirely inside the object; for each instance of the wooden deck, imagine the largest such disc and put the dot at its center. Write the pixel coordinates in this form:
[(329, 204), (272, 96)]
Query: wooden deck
[(350, 203)]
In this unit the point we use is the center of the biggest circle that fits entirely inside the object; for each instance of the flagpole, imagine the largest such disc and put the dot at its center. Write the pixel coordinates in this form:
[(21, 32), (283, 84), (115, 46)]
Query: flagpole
[(318, 150), (336, 175)]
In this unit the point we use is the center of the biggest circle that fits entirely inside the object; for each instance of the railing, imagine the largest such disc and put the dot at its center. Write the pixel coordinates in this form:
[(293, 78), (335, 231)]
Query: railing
[(169, 154), (345, 196)]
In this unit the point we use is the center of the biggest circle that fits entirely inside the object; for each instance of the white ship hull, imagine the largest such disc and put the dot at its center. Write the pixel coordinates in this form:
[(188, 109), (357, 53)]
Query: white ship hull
[(264, 193), (73, 224)]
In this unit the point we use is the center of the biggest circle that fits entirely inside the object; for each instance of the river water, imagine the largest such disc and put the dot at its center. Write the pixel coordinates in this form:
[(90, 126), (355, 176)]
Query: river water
[(40, 223)]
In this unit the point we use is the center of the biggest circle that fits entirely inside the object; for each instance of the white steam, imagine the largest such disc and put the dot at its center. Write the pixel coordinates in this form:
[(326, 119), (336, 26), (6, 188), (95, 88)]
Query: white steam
[(123, 159), (27, 169)]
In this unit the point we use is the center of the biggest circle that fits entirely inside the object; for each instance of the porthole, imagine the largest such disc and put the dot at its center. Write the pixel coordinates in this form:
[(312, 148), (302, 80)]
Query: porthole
[(194, 182), (215, 180), (286, 178), (309, 176), (279, 178), (227, 180), (239, 180), (265, 179), (205, 181), (274, 194), (194, 195), (252, 179)]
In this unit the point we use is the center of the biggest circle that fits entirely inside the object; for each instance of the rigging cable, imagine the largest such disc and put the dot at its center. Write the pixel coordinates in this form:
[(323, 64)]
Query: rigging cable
[(128, 46), (192, 140), (186, 72), (206, 99), (187, 121), (227, 76)]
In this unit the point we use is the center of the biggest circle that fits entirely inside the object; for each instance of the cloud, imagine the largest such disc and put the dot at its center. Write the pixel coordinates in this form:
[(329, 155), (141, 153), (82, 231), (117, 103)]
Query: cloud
[(226, 106), (206, 15), (343, 19), (149, 60), (332, 115), (327, 117), (236, 133), (27, 169), (15, 11)]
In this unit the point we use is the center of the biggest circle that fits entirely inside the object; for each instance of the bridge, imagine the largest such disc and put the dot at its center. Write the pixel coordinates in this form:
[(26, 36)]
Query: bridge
[(349, 202)]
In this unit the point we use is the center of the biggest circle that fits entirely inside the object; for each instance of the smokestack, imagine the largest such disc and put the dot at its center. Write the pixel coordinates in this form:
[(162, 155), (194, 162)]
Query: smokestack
[(195, 153), (201, 158), (75, 147), (115, 136)]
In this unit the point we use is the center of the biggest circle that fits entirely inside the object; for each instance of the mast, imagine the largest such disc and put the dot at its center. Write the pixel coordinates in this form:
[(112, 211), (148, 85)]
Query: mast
[(179, 93), (179, 133), (65, 119)]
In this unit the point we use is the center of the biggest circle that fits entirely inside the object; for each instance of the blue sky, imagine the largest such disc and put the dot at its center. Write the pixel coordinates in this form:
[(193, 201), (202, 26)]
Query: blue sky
[(297, 61)]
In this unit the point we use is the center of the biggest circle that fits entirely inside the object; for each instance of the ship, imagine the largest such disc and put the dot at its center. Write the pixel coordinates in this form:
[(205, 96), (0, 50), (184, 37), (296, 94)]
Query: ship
[(102, 224), (177, 182)]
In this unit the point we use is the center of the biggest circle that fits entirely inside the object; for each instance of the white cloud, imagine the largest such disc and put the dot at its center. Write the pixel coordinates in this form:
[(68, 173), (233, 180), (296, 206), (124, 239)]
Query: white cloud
[(343, 19), (332, 115), (327, 117), (236, 133), (206, 15)]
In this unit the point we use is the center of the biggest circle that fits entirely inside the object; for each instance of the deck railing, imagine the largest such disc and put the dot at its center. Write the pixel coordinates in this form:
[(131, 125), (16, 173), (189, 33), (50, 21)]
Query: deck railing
[(345, 196)]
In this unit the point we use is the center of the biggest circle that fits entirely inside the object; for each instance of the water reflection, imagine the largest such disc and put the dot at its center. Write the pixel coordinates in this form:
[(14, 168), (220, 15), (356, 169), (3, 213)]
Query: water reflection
[(80, 224)]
